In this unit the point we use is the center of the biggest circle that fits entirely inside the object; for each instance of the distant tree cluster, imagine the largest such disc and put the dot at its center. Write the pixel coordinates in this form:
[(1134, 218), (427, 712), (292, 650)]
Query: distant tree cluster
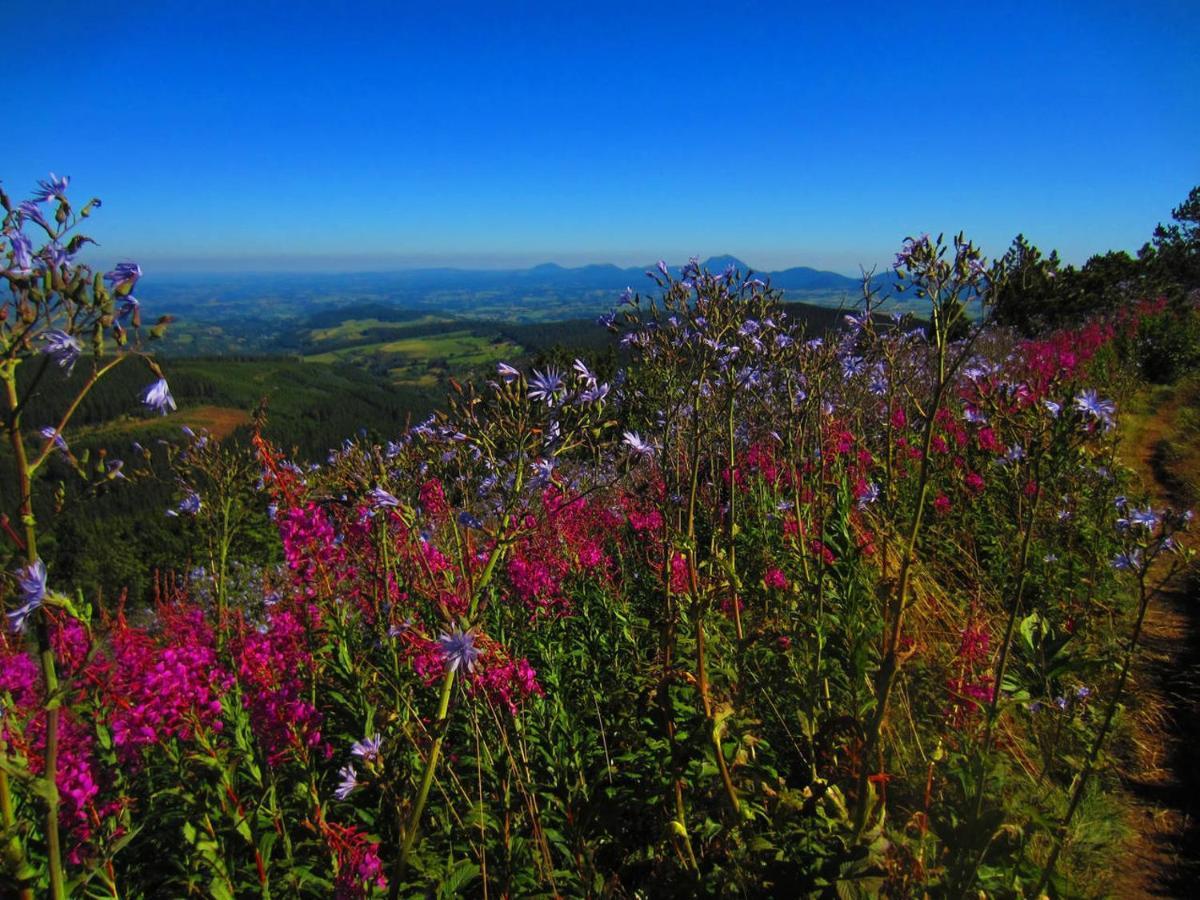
[(1040, 294)]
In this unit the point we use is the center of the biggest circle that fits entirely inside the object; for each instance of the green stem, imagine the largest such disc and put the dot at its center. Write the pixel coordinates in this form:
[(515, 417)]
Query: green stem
[(891, 663), (48, 447), (1001, 666), (733, 580), (45, 651), (1101, 736), (414, 821)]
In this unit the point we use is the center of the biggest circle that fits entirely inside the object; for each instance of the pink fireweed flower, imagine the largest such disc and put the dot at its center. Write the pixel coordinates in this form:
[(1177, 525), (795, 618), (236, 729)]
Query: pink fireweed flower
[(775, 579)]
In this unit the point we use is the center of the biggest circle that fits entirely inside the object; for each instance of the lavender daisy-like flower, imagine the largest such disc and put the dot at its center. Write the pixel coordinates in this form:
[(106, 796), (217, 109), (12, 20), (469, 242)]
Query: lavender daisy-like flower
[(55, 256), (189, 505), (367, 749), (29, 209), (63, 348), (1090, 404), (52, 187), (124, 273), (546, 387), (583, 371), (459, 649), (349, 782), (1144, 518), (662, 267), (466, 520), (158, 397), (595, 393), (637, 447), (22, 253), (381, 498), (51, 433), (870, 496), (1128, 561), (31, 581), (507, 372), (851, 366)]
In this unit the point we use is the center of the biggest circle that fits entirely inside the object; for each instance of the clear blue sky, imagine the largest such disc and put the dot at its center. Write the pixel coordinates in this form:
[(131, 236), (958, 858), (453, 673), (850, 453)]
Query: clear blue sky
[(300, 135)]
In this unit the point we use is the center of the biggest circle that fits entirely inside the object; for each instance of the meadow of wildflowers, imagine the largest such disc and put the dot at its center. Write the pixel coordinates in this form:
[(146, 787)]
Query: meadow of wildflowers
[(761, 613)]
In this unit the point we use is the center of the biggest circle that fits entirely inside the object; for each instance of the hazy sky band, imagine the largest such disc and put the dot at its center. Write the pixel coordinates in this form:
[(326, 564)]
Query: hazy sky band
[(510, 134)]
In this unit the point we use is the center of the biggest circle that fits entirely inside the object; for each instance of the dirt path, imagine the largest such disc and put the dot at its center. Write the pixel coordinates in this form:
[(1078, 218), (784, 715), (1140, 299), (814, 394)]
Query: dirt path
[(1162, 859)]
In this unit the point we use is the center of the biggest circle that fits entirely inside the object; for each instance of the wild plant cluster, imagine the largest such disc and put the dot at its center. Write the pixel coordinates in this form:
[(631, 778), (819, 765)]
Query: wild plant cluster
[(763, 613)]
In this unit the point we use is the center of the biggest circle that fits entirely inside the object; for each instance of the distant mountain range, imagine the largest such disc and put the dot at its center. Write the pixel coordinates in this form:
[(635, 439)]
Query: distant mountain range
[(609, 277)]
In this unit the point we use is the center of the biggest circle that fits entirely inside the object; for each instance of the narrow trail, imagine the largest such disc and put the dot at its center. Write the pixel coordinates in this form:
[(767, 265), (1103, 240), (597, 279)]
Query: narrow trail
[(1162, 786)]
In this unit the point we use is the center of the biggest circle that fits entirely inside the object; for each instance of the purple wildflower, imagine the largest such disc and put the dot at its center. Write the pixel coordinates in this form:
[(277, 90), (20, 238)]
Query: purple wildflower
[(125, 273), (1128, 561), (507, 372), (595, 393), (158, 397), (51, 433), (381, 498), (583, 371), (459, 649), (52, 187), (31, 581), (63, 348), (639, 448), (22, 250), (1090, 404), (349, 782), (546, 387), (870, 496), (30, 210), (1144, 518), (851, 366), (368, 748), (466, 520)]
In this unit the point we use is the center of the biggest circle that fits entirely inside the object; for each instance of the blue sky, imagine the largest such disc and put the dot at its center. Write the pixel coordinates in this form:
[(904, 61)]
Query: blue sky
[(301, 135)]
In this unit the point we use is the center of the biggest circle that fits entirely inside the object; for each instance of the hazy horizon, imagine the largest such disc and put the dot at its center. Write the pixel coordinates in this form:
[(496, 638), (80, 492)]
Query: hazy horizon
[(330, 265)]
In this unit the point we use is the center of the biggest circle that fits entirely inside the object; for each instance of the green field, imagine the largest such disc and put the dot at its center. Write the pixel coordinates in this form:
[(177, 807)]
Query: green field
[(424, 360)]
